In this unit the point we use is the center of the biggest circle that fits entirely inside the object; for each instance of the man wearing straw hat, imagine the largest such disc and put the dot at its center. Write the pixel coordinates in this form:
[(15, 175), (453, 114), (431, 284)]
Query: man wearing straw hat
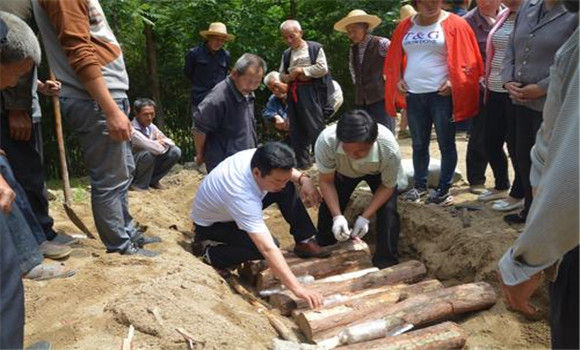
[(207, 64), (366, 57)]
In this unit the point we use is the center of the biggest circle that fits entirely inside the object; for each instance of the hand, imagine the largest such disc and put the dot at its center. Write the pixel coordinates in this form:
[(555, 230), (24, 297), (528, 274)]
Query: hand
[(531, 92), (361, 227), (49, 87), (295, 73), (309, 193), (280, 123), (7, 196), (518, 296), (314, 299), (20, 124), (403, 87), (118, 125), (445, 89), (199, 159), (340, 228), (513, 89)]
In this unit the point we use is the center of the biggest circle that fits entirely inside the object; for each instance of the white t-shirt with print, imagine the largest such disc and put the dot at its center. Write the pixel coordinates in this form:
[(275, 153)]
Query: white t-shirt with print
[(426, 52), (230, 193)]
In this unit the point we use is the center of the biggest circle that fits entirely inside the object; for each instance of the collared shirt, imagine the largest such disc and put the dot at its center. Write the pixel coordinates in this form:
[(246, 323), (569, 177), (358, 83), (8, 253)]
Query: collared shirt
[(226, 117), (205, 69), (146, 138), (533, 43), (230, 193), (481, 28), (384, 157)]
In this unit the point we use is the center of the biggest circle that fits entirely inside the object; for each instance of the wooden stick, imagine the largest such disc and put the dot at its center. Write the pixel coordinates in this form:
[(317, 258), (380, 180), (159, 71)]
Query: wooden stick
[(128, 341)]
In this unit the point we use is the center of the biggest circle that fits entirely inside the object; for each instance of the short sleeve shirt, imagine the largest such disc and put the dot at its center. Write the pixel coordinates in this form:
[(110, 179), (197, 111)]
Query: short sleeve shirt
[(230, 193), (384, 157)]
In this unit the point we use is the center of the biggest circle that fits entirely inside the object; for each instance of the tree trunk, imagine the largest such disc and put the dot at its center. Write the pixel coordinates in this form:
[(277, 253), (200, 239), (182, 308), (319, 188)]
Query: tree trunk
[(318, 268), (446, 335), (154, 73), (293, 9), (407, 272), (321, 324)]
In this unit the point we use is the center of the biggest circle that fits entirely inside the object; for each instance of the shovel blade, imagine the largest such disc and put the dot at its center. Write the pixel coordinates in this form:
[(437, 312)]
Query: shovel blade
[(77, 221)]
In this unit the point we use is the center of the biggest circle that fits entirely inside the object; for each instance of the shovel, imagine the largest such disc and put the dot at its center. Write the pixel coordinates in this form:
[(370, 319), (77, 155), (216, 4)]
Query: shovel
[(64, 169)]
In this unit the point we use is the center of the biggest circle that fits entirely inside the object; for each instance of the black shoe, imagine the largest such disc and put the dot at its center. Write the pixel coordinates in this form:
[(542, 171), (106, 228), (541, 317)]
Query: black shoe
[(310, 249), (384, 263), (135, 250), (142, 240), (515, 219)]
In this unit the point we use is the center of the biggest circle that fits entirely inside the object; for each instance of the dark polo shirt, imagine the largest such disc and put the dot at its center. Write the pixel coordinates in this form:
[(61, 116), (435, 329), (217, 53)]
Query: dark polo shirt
[(226, 117), (205, 69)]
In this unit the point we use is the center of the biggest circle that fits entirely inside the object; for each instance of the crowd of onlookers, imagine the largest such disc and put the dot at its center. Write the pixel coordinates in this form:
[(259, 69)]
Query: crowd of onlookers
[(505, 72)]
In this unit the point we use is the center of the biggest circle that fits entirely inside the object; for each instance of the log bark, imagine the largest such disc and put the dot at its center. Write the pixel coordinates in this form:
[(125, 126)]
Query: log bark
[(408, 272), (362, 306), (446, 335), (429, 307), (319, 268)]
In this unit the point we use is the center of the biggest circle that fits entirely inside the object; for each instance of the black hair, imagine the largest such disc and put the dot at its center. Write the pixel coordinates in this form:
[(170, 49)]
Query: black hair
[(273, 155), (143, 102), (357, 126), (248, 60)]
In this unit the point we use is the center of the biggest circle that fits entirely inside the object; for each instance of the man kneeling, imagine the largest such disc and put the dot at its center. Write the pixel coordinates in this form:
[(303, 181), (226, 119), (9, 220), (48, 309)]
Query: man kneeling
[(227, 213), (155, 154)]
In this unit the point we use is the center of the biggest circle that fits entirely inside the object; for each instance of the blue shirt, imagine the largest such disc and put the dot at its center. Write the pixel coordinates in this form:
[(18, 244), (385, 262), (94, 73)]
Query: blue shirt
[(205, 69), (274, 106)]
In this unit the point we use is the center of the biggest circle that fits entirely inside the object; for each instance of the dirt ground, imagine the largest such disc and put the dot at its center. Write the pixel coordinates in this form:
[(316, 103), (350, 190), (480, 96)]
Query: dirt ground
[(93, 309)]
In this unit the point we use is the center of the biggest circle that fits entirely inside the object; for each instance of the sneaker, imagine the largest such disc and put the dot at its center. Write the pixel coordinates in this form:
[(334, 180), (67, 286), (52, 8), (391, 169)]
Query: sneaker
[(310, 249), (414, 195), (133, 249), (53, 250), (142, 240), (440, 197), (41, 345), (508, 204), (515, 219), (490, 195), (64, 239), (477, 189)]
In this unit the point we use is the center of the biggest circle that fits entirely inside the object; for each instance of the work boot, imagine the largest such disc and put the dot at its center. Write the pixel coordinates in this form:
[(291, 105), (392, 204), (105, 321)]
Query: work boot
[(310, 249), (53, 250), (133, 249)]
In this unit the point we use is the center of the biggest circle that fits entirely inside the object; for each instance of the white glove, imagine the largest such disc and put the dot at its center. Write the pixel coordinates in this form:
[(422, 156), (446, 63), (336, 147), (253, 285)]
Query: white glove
[(340, 228), (361, 227)]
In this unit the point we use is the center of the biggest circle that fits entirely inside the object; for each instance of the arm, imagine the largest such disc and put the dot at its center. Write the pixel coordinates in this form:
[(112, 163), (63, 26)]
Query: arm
[(199, 141), (326, 183), (276, 262), (138, 140), (18, 103), (189, 68), (308, 191), (381, 196), (319, 68), (7, 196)]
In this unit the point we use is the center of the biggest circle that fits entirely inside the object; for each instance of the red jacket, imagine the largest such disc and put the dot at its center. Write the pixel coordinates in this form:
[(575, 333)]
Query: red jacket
[(463, 59)]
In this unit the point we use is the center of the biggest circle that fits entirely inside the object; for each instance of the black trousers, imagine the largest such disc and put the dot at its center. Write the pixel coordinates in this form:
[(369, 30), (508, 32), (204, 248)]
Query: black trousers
[(238, 247), (476, 160), (527, 122), (499, 129), (564, 303), (26, 162), (306, 122), (387, 224), (11, 292)]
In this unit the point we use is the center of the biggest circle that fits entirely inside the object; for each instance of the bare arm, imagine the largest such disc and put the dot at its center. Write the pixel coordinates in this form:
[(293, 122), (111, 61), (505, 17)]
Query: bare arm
[(380, 197), (326, 183), (199, 141)]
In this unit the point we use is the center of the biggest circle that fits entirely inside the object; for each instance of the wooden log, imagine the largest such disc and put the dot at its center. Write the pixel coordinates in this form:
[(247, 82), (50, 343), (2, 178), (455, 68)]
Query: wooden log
[(319, 268), (323, 323), (446, 335), (407, 272), (428, 307)]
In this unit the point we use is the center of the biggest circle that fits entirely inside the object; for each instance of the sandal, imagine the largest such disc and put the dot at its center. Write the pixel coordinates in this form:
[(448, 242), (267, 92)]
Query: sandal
[(43, 272)]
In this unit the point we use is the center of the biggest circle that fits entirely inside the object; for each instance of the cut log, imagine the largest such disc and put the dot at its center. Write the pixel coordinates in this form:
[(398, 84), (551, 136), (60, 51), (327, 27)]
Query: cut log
[(446, 335), (408, 272), (319, 268), (316, 324), (429, 307)]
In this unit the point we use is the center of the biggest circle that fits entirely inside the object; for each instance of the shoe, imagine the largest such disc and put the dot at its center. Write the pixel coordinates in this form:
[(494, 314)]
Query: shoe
[(477, 189), (490, 195), (158, 186), (515, 219), (383, 263), (64, 239), (43, 272), (199, 247), (142, 240), (41, 345), (404, 134), (53, 250), (508, 204), (414, 195), (134, 188), (310, 249), (133, 249), (440, 197)]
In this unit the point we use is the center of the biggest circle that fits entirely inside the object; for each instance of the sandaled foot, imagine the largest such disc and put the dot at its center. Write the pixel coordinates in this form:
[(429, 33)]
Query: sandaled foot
[(53, 250), (44, 272)]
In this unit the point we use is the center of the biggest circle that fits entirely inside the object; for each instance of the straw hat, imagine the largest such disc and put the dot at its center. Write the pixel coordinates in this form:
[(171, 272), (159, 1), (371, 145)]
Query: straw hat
[(357, 16), (217, 29), (405, 11)]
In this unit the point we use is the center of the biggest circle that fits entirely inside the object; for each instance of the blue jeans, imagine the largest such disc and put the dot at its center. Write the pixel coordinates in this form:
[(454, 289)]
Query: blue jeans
[(24, 230), (378, 112), (424, 110), (110, 164)]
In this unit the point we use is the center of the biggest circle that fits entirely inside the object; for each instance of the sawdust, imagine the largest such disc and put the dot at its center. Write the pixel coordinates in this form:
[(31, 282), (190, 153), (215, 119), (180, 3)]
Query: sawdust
[(93, 309)]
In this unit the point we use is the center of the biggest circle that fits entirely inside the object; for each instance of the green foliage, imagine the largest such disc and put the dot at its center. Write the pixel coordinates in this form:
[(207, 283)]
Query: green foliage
[(176, 25)]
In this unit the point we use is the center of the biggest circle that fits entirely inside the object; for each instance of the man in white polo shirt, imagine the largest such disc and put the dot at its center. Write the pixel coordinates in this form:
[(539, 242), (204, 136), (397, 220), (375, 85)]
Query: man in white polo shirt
[(358, 149), (227, 212)]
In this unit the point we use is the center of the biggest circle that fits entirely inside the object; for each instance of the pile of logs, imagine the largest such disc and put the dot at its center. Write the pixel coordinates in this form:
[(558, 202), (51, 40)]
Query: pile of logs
[(367, 308)]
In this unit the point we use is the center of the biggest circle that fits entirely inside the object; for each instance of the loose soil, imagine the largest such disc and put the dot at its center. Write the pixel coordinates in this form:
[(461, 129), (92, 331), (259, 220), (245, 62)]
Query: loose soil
[(94, 309)]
